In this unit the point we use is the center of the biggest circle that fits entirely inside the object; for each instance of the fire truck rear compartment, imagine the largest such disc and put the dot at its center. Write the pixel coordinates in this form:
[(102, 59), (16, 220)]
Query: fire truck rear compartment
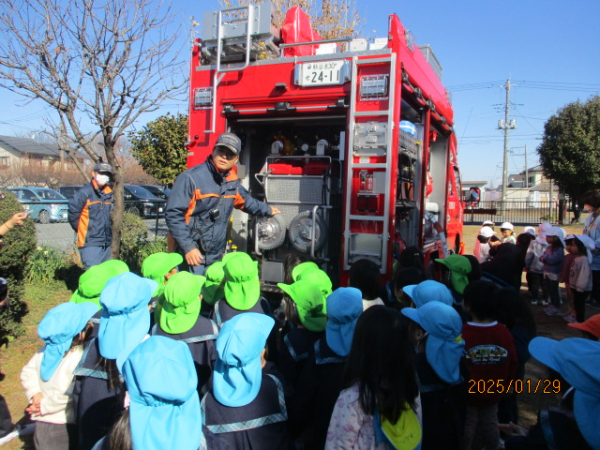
[(292, 163)]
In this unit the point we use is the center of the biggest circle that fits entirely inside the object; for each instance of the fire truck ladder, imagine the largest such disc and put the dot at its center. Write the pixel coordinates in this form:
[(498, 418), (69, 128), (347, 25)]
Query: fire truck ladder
[(233, 37), (370, 139)]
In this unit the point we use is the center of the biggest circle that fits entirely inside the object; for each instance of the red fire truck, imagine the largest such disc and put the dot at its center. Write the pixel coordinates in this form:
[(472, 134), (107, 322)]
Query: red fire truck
[(351, 139)]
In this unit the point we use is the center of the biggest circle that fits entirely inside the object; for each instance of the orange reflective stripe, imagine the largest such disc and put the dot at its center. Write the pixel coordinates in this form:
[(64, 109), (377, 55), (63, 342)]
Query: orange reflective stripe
[(200, 197), (82, 227), (239, 201), (192, 205)]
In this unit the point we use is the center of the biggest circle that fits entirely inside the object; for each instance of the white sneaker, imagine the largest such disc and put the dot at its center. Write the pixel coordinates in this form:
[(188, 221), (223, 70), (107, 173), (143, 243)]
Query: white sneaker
[(535, 302), (10, 436)]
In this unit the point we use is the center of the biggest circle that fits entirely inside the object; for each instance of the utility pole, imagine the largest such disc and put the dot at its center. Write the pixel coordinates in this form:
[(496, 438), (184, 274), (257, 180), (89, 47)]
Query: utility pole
[(526, 169), (506, 125)]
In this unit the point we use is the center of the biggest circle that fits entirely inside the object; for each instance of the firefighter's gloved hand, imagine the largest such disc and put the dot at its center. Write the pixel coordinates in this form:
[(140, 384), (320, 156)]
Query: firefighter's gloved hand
[(430, 217)]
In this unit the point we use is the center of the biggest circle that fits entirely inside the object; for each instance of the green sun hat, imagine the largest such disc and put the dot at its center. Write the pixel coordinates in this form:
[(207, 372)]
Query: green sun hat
[(93, 280), (309, 302), (459, 267), (213, 289), (157, 265), (319, 278), (242, 286), (181, 303), (296, 271)]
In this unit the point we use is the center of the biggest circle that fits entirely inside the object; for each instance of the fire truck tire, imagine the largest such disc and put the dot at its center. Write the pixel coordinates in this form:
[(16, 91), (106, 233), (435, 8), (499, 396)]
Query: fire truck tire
[(271, 232), (300, 229)]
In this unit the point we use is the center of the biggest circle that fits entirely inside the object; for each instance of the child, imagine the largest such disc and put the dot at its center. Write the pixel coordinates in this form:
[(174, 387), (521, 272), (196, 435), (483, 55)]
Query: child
[(180, 319), (530, 230), (124, 323), (125, 320), (164, 409), (213, 288), (459, 268), (365, 276), (242, 289), (491, 357), (508, 233), (577, 360), (516, 316), (48, 376), (580, 275), (553, 258), (377, 408), (305, 310), (482, 244), (436, 335), (320, 382), (535, 268), (93, 280), (428, 291), (405, 277), (160, 267), (412, 257), (245, 407)]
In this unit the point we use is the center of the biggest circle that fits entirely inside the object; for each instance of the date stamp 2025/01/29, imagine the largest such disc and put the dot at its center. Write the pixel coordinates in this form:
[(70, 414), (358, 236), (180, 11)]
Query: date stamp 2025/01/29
[(502, 386)]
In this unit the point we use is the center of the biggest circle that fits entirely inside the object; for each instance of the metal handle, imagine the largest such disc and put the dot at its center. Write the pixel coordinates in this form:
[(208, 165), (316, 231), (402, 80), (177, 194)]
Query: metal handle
[(258, 252), (313, 228)]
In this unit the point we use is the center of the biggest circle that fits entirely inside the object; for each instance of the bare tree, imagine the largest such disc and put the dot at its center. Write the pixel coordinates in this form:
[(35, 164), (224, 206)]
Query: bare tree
[(98, 64), (330, 18)]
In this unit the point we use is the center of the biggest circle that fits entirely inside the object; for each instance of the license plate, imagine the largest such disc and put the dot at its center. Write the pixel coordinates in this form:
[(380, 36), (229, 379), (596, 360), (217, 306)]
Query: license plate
[(322, 73)]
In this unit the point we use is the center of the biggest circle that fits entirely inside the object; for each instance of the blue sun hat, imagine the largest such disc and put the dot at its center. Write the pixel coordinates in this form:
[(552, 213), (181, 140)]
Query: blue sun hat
[(344, 306), (125, 317), (58, 328), (428, 291), (238, 371), (577, 360), (165, 408), (445, 345)]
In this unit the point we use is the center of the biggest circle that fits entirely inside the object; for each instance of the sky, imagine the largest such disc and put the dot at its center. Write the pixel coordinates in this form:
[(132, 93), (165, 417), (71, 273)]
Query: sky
[(549, 50)]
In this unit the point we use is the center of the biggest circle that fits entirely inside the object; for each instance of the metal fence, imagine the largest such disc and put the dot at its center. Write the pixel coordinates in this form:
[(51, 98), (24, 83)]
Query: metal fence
[(517, 213), (59, 235)]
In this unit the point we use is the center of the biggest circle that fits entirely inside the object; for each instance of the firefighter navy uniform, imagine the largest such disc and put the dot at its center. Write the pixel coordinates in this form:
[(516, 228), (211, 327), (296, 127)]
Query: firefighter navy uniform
[(89, 216), (199, 208)]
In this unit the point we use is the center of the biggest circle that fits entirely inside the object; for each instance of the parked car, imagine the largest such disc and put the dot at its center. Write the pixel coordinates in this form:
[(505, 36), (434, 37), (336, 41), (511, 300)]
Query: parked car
[(42, 204), (141, 202), (68, 191), (157, 191)]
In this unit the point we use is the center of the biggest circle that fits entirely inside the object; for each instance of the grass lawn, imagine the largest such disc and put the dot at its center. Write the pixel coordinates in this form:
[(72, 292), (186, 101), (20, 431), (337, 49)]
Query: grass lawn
[(39, 298), (43, 296)]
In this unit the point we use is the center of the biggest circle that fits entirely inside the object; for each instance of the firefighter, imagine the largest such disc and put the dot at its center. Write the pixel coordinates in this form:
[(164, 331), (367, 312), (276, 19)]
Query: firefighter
[(201, 203), (89, 216)]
